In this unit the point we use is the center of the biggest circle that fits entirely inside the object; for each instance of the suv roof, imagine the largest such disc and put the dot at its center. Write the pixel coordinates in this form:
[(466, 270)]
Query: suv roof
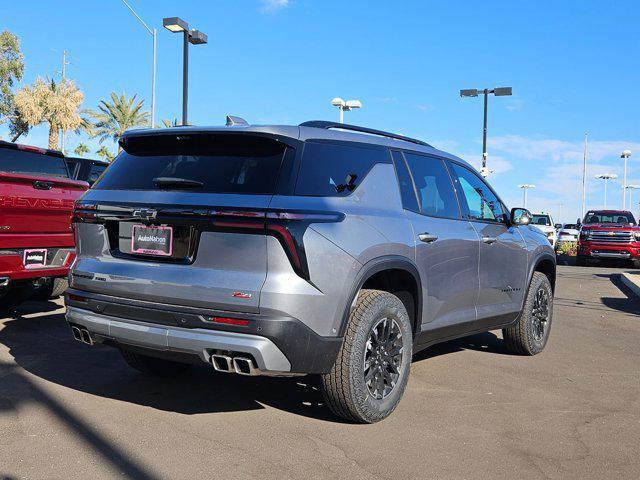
[(316, 129)]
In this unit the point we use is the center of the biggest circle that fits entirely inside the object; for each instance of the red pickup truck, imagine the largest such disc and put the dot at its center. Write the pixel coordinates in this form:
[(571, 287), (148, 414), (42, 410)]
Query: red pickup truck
[(609, 234), (36, 240)]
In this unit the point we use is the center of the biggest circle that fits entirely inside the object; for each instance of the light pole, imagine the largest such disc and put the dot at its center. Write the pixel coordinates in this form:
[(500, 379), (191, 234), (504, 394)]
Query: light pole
[(606, 177), (195, 37), (473, 92), (625, 156), (345, 106), (153, 74), (631, 188), (525, 187)]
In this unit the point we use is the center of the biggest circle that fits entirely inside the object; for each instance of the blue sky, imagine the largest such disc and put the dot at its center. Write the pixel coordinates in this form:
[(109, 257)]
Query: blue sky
[(573, 65)]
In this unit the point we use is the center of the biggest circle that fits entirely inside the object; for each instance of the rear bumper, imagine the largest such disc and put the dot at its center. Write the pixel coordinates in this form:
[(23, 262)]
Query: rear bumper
[(608, 250), (12, 266), (277, 344)]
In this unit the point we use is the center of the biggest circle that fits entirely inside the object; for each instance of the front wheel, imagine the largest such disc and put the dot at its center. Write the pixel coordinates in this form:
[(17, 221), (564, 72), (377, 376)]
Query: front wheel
[(529, 335), (371, 371)]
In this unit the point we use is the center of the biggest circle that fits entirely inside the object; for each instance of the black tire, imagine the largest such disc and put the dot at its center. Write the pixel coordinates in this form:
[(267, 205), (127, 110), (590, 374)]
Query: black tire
[(529, 335), (344, 388), (158, 367), (51, 290), (581, 261)]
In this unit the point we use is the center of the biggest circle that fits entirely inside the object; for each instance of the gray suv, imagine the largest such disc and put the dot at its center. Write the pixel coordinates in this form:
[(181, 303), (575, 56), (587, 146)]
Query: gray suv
[(322, 248)]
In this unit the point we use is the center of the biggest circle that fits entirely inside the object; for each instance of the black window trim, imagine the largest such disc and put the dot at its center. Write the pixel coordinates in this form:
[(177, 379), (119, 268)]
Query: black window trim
[(465, 214), (453, 186)]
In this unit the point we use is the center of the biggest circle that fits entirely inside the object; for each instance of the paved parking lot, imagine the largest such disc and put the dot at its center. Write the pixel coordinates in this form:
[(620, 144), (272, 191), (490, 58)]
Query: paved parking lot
[(470, 409)]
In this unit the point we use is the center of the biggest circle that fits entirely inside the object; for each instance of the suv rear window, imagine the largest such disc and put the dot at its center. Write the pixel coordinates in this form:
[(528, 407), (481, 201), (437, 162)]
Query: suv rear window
[(31, 163), (335, 169), (221, 163)]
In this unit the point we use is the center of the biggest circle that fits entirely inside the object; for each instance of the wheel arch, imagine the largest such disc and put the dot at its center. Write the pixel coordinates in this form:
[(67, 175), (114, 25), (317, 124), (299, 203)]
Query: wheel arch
[(394, 274), (546, 264)]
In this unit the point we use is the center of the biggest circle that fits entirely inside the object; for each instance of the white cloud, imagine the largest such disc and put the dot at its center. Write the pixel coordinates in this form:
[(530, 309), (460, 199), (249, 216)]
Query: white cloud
[(274, 5)]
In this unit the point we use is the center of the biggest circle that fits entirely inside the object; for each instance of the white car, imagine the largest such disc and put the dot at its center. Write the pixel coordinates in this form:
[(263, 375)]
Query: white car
[(569, 232), (544, 222)]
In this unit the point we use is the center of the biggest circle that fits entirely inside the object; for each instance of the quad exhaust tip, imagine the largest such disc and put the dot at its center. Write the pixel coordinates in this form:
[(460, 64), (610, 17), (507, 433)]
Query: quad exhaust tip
[(239, 365), (81, 334)]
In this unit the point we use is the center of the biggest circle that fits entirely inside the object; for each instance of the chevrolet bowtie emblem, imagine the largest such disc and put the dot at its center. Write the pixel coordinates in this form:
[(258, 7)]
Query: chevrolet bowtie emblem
[(145, 213)]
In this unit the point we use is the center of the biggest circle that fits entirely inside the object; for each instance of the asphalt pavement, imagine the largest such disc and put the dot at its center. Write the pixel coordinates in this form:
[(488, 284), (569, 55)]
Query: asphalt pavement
[(470, 411)]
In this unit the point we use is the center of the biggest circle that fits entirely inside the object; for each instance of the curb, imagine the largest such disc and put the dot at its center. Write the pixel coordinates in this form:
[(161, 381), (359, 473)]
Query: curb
[(631, 281)]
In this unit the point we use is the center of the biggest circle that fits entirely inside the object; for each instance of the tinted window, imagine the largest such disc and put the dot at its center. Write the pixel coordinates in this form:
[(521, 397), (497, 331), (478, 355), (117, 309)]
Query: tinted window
[(222, 163), (407, 192), (435, 191), (31, 163), (477, 197), (609, 217), (335, 170), (95, 172)]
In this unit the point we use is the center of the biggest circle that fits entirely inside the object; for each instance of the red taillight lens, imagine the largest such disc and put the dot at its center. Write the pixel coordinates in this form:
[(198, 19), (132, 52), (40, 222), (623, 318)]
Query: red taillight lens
[(77, 298), (230, 321)]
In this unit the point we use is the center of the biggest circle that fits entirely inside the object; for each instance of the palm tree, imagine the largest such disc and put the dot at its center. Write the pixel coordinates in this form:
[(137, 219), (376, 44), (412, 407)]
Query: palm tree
[(81, 150), (104, 153), (114, 117), (57, 104)]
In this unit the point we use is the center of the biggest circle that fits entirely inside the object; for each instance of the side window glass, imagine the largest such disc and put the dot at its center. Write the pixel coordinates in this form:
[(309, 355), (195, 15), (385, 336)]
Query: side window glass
[(433, 185), (481, 203), (407, 192), (332, 170)]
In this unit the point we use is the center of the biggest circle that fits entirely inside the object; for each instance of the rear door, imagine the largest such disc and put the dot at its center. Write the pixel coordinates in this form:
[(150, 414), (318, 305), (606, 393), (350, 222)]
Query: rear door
[(503, 254), (180, 219), (446, 244)]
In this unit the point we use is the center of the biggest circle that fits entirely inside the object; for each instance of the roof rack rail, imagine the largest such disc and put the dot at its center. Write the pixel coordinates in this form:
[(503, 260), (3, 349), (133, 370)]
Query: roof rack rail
[(344, 126)]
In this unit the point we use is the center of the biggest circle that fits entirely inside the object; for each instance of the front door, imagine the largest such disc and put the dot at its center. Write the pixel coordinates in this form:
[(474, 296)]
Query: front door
[(503, 254)]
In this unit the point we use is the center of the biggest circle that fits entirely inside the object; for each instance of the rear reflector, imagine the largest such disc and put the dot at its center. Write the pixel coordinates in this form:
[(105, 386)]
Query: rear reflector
[(77, 298), (230, 321)]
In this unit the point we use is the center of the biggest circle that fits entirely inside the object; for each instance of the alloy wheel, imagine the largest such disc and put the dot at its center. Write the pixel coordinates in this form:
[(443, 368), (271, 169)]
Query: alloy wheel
[(383, 358)]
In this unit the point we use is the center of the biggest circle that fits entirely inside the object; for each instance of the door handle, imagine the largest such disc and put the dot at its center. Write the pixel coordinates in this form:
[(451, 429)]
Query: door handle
[(427, 237), (489, 240)]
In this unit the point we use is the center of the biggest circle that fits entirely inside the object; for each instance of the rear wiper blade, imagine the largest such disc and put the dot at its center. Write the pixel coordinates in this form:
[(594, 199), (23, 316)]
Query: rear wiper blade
[(176, 182)]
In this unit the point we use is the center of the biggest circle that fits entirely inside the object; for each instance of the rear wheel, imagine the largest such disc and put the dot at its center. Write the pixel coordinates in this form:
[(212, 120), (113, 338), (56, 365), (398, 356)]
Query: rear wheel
[(371, 371), (158, 367), (529, 335), (51, 290)]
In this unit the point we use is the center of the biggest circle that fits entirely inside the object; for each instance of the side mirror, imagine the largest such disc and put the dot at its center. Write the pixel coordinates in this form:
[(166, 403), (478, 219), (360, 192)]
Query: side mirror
[(520, 216), (558, 226)]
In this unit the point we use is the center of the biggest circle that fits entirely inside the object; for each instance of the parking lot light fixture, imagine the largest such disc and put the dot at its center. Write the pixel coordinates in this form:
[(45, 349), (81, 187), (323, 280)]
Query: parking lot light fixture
[(498, 92), (195, 37), (625, 156), (631, 188), (525, 187), (345, 106), (606, 177)]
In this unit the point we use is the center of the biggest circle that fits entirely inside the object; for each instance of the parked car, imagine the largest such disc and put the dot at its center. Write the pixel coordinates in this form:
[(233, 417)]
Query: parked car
[(569, 232), (544, 222), (609, 234), (36, 240), (322, 248), (87, 169)]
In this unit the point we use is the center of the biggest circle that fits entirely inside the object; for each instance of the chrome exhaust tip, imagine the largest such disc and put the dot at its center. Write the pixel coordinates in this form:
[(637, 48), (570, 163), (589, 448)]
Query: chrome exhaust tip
[(76, 333), (244, 366), (86, 336), (222, 363)]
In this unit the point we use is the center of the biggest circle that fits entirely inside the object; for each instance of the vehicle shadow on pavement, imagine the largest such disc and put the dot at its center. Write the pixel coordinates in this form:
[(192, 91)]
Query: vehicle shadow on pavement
[(483, 342), (44, 347)]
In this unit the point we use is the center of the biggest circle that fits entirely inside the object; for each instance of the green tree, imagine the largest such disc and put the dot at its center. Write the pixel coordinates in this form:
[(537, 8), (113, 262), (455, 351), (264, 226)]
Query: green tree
[(117, 115), (104, 153), (81, 150), (11, 71), (57, 104)]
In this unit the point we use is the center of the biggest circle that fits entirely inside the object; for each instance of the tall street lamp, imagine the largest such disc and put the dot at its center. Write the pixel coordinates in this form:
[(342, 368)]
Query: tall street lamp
[(625, 156), (525, 187), (606, 177), (631, 188), (195, 37), (345, 106), (153, 74), (473, 92)]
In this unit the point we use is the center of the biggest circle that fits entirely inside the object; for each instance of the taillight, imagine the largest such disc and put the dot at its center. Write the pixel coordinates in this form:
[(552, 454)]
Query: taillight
[(83, 212), (287, 227)]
